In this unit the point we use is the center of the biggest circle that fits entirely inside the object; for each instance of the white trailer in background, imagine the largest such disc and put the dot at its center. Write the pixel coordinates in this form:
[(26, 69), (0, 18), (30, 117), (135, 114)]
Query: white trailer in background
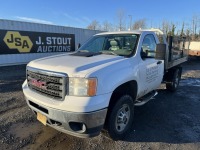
[(194, 48)]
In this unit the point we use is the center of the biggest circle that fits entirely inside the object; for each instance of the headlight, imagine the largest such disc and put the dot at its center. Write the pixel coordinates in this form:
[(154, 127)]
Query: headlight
[(82, 86)]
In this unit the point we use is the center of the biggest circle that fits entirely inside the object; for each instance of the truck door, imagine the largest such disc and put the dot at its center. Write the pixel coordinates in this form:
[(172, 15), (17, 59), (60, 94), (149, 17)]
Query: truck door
[(150, 70)]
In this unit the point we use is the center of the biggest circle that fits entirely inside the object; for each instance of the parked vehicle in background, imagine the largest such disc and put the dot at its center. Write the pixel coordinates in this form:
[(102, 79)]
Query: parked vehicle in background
[(99, 85), (194, 48)]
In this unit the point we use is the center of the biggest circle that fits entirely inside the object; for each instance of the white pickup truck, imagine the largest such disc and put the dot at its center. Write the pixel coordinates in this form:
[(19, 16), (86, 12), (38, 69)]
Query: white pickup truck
[(97, 86)]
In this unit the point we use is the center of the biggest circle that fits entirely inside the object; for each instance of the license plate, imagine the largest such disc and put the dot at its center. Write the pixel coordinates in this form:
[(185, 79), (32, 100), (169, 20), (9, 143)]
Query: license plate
[(42, 118)]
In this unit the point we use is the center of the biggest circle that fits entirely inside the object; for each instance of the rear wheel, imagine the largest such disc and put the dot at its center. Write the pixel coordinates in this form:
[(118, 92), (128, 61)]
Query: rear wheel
[(120, 118), (174, 79)]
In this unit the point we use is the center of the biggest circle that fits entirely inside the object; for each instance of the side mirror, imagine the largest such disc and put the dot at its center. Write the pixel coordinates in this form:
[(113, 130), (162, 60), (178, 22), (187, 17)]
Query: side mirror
[(143, 54), (79, 45), (160, 51)]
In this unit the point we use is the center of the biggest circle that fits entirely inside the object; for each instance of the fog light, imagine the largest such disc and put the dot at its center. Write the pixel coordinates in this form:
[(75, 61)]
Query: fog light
[(77, 127)]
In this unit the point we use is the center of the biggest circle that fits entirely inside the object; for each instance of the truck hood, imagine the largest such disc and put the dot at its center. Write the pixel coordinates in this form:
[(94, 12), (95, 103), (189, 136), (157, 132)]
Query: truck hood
[(77, 66)]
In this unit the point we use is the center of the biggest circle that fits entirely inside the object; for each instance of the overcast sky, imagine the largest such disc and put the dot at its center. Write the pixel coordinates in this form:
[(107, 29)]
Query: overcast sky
[(79, 13)]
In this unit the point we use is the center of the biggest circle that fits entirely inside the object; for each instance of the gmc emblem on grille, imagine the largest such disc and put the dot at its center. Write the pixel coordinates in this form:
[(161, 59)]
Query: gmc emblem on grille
[(39, 84)]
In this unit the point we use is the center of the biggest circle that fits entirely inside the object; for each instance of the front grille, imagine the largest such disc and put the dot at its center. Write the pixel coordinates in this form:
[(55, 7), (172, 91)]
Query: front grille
[(51, 84)]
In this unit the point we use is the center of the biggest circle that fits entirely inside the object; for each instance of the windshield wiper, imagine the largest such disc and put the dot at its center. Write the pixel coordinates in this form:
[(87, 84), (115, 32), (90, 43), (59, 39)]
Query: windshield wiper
[(108, 53), (83, 51), (96, 53)]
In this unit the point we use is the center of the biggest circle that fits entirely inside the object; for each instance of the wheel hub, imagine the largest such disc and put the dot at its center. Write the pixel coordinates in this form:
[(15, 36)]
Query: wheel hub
[(176, 80), (122, 119)]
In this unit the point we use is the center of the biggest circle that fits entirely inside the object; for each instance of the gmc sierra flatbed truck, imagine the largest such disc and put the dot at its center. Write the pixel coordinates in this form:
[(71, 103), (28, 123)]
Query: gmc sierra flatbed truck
[(96, 87)]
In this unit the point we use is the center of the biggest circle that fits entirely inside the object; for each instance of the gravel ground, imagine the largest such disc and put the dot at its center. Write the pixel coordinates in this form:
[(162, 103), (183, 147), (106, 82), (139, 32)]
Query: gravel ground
[(170, 121)]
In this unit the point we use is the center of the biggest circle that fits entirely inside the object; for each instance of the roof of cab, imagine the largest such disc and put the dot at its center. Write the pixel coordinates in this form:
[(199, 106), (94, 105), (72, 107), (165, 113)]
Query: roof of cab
[(124, 32)]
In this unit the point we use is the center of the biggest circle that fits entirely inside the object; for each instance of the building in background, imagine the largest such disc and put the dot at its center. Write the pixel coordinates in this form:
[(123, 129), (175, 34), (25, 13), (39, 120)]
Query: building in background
[(21, 42)]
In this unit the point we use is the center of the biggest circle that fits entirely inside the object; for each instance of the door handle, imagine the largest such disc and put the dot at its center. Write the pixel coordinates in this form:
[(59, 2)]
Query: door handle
[(159, 62)]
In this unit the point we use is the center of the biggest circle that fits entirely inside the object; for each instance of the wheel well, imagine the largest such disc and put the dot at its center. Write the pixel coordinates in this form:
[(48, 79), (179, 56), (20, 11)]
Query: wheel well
[(129, 88), (169, 75)]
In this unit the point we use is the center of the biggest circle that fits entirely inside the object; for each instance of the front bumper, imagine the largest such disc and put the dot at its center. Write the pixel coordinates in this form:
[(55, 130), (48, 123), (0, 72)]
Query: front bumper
[(82, 125)]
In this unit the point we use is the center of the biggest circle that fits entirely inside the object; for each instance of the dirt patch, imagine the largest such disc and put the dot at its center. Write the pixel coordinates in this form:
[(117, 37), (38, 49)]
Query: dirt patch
[(23, 131)]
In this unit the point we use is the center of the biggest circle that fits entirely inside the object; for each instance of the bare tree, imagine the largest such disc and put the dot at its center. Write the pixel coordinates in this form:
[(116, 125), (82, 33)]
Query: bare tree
[(130, 26), (165, 26), (121, 23), (194, 24), (172, 30), (139, 24), (94, 25), (187, 32), (107, 26), (182, 29)]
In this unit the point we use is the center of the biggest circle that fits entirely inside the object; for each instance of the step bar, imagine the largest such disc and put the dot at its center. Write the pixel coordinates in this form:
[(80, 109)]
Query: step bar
[(145, 99)]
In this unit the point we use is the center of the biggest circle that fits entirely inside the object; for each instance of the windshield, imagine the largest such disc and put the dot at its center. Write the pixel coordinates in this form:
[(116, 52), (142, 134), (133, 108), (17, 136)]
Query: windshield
[(119, 44)]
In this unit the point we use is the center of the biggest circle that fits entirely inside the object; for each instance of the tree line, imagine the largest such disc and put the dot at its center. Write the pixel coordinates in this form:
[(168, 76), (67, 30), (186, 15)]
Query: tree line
[(190, 29)]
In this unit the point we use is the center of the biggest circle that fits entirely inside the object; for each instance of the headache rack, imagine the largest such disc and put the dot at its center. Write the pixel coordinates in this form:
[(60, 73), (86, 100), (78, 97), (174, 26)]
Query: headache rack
[(48, 83)]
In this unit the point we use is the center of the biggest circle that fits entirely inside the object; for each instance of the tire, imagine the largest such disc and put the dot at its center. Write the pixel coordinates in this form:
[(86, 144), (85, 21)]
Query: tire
[(120, 118), (174, 79)]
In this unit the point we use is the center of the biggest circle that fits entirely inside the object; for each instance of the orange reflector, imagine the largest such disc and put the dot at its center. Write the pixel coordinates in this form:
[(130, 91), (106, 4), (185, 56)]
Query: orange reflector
[(92, 84)]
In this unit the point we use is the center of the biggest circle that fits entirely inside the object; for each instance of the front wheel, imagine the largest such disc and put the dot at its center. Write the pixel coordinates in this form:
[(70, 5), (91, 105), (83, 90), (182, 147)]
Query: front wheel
[(121, 117)]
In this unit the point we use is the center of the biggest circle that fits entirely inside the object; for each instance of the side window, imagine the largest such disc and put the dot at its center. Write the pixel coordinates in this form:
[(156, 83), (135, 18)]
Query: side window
[(149, 45)]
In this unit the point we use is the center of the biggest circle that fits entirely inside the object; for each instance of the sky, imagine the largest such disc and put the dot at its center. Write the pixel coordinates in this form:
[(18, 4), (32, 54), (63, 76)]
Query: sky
[(80, 13)]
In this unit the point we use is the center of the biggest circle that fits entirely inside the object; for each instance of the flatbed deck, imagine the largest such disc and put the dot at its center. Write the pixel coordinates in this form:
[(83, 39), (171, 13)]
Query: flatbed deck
[(176, 62)]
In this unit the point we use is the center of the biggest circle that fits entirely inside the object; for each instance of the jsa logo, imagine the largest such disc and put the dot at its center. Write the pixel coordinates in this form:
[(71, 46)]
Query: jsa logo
[(15, 41)]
